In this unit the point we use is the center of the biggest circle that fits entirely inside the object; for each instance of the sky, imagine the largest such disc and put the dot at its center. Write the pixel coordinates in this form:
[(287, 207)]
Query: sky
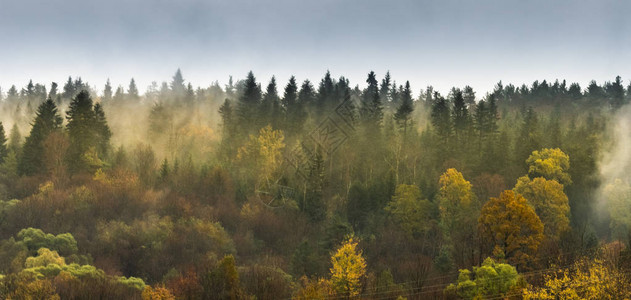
[(441, 43)]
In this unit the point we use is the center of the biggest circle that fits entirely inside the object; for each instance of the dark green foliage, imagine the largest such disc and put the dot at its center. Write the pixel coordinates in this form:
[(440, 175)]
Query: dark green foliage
[(248, 105), (88, 133), (405, 109), (4, 150), (46, 121), (132, 91), (371, 110)]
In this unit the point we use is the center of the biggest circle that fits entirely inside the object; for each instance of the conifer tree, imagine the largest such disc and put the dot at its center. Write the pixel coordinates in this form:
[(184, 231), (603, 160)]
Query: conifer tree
[(88, 133), (103, 132), (248, 104), (405, 109), (132, 92), (372, 108), (326, 93), (4, 151), (46, 121), (107, 91)]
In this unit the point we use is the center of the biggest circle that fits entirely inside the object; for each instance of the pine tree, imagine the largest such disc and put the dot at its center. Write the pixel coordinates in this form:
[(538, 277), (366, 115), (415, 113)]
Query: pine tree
[(15, 139), (69, 89), (405, 109), (53, 91), (384, 91), (4, 151), (46, 121), (326, 93), (294, 111), (371, 108), (177, 84), (103, 132), (248, 104), (270, 106), (107, 91), (307, 95), (314, 204), (132, 91), (82, 131), (469, 96)]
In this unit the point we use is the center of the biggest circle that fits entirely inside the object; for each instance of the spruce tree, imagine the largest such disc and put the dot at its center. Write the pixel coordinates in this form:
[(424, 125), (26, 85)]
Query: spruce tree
[(103, 132), (270, 106), (82, 131), (46, 121), (132, 91), (371, 108), (326, 93), (107, 91), (248, 104), (53, 91), (4, 151), (405, 109), (294, 110)]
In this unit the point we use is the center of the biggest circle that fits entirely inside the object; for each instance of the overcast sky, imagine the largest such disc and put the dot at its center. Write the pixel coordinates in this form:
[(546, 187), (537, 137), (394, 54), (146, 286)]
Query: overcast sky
[(442, 43)]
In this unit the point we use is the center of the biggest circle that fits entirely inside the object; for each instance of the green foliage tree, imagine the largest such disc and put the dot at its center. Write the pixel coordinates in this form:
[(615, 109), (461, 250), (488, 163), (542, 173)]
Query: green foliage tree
[(552, 164), (46, 121), (4, 150), (491, 279), (412, 213), (405, 109), (550, 203)]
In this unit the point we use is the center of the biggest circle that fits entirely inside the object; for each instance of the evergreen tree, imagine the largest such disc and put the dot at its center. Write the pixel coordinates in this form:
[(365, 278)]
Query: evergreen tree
[(270, 106), (440, 116), (615, 93), (294, 111), (314, 204), (529, 139), (107, 91), (469, 96), (15, 139), (53, 91), (326, 94), (83, 132), (372, 108), (405, 109), (46, 121), (177, 84), (4, 151), (384, 90), (69, 89), (460, 115), (394, 95), (307, 95), (132, 92), (103, 132), (248, 104)]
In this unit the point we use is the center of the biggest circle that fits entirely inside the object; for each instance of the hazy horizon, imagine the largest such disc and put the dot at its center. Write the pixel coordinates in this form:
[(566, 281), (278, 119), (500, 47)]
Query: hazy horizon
[(452, 43)]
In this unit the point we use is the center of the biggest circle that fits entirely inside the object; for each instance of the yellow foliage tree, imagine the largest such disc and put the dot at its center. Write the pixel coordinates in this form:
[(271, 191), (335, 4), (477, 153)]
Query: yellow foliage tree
[(45, 257), (349, 267), (459, 211), (156, 293), (585, 280), (265, 152), (511, 228), (550, 164), (549, 201)]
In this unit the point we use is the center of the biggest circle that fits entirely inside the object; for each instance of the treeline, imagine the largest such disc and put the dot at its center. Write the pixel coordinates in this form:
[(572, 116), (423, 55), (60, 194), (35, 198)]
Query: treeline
[(308, 190)]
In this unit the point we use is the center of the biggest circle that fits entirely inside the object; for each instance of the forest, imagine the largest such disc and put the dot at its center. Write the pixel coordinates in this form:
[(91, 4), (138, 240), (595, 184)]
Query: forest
[(321, 189)]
